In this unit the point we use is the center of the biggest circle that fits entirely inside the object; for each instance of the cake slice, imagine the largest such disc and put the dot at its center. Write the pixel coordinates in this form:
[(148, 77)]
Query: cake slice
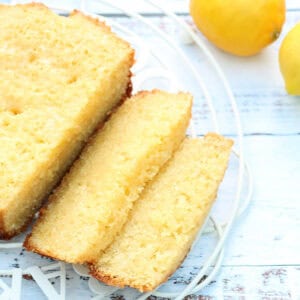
[(59, 78), (92, 204), (166, 218)]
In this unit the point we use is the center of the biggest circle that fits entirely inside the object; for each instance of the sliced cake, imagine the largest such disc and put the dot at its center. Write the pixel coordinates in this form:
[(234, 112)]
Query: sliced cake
[(92, 204), (59, 78), (166, 218)]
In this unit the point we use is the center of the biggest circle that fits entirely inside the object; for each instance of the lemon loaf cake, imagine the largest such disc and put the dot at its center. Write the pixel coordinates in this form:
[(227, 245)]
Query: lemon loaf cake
[(59, 78), (92, 204), (167, 216)]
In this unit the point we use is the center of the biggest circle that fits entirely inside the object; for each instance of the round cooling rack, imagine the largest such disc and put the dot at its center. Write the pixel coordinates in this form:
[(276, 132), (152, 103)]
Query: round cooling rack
[(164, 44)]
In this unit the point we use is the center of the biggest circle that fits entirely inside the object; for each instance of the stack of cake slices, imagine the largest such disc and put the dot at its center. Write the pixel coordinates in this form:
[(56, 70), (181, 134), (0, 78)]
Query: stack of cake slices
[(124, 190)]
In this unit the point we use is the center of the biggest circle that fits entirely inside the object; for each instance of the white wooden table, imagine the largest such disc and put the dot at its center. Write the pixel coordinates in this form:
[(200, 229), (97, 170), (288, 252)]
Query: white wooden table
[(263, 255), (262, 259)]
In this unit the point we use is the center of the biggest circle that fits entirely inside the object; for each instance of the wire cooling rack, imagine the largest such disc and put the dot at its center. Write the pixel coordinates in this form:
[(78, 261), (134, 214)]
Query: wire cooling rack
[(162, 60)]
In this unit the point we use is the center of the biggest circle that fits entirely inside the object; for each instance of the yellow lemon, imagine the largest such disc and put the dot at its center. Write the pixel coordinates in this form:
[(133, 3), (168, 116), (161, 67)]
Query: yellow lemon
[(289, 60), (240, 27)]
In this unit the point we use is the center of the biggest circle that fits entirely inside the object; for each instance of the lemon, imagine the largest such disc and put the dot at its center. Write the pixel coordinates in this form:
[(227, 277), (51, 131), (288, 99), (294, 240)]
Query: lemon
[(240, 27), (289, 60)]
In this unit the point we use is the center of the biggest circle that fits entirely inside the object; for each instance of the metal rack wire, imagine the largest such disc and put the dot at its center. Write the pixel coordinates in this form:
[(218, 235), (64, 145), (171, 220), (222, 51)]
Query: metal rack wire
[(212, 264)]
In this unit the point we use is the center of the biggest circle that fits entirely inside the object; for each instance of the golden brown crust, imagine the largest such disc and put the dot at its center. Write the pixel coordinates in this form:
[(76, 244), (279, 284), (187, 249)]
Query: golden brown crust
[(144, 93), (96, 22), (128, 91), (7, 235), (117, 281), (3, 233), (122, 282), (125, 96)]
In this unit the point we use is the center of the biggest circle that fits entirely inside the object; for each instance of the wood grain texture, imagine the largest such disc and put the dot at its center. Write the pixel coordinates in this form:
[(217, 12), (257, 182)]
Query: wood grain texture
[(261, 282)]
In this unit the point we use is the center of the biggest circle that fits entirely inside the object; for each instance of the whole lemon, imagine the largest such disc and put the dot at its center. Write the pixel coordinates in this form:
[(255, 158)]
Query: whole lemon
[(240, 27), (289, 60)]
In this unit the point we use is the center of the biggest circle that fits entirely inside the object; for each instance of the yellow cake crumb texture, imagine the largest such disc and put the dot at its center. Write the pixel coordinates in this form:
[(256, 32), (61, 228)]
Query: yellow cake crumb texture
[(59, 77), (93, 201), (167, 216)]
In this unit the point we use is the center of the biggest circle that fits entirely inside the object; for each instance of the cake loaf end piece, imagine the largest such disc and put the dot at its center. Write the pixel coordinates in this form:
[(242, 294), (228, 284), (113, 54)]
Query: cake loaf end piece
[(167, 216)]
